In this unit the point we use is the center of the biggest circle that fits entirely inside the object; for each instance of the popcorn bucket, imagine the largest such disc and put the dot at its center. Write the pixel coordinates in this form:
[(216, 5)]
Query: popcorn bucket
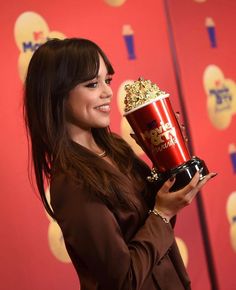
[(150, 115)]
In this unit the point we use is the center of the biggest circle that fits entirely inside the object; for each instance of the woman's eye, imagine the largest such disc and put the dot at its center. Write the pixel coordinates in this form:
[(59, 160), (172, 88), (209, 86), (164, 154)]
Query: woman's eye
[(108, 81), (92, 85)]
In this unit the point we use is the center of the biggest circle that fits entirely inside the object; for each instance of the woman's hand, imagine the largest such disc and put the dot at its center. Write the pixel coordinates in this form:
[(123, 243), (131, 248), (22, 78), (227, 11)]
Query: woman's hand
[(168, 204)]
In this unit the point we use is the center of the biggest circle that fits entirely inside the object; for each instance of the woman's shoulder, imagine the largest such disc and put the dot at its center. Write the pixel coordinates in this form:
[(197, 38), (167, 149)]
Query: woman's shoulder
[(72, 199), (65, 189)]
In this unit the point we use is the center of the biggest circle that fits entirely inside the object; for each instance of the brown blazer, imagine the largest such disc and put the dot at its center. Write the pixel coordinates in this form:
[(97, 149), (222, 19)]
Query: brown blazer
[(116, 250)]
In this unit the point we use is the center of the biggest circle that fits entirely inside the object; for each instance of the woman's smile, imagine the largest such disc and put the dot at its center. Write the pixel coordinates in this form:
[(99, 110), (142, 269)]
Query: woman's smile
[(105, 108)]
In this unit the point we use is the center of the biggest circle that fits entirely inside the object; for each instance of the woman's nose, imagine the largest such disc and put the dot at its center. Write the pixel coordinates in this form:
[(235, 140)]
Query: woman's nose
[(107, 91)]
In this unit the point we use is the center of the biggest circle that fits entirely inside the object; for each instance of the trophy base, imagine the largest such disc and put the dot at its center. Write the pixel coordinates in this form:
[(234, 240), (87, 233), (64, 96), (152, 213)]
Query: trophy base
[(183, 173)]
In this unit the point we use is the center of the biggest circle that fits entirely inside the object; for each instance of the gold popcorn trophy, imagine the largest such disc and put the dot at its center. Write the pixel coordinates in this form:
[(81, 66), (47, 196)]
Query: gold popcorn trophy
[(149, 112)]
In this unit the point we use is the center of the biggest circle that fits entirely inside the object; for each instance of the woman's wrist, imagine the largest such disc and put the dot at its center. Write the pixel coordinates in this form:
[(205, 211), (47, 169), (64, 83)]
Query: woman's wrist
[(164, 217)]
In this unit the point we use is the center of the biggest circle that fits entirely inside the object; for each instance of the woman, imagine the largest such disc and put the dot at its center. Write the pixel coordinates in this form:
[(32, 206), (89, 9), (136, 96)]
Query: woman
[(99, 194)]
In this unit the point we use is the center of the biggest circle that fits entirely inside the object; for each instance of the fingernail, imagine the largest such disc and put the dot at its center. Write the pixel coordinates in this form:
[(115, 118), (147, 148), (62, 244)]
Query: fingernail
[(214, 174), (172, 178)]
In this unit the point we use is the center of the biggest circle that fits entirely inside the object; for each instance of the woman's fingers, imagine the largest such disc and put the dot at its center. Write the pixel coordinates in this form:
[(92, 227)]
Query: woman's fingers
[(192, 184), (171, 202), (167, 185), (192, 193), (206, 179)]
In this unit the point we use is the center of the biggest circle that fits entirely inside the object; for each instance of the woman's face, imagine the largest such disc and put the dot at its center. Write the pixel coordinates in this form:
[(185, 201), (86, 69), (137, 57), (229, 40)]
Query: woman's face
[(89, 103)]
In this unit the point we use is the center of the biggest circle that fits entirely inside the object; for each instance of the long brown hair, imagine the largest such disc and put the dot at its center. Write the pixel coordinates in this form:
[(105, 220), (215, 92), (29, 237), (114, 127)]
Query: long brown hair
[(55, 68)]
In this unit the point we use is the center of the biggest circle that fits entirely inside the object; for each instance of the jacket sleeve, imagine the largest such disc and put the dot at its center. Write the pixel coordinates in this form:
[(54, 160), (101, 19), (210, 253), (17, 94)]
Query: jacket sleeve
[(92, 233)]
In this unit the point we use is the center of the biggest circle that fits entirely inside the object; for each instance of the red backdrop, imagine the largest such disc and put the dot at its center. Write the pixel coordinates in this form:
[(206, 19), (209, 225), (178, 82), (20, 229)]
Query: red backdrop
[(207, 71), (29, 259)]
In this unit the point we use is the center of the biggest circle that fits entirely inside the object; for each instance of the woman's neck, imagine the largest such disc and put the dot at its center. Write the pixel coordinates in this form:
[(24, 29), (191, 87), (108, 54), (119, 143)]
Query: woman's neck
[(85, 138)]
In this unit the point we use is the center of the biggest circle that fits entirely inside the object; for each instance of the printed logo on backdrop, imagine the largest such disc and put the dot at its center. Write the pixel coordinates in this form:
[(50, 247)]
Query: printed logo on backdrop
[(115, 3), (232, 155), (231, 214), (128, 36), (211, 31), (55, 238), (183, 250), (31, 30), (221, 97)]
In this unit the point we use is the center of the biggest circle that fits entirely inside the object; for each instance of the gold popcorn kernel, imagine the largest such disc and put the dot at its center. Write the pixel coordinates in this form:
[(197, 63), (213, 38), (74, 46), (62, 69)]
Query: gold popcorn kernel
[(139, 93)]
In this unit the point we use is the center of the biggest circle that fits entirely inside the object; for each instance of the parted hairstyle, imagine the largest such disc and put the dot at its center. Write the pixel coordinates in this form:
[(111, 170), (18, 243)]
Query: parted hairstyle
[(55, 69)]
